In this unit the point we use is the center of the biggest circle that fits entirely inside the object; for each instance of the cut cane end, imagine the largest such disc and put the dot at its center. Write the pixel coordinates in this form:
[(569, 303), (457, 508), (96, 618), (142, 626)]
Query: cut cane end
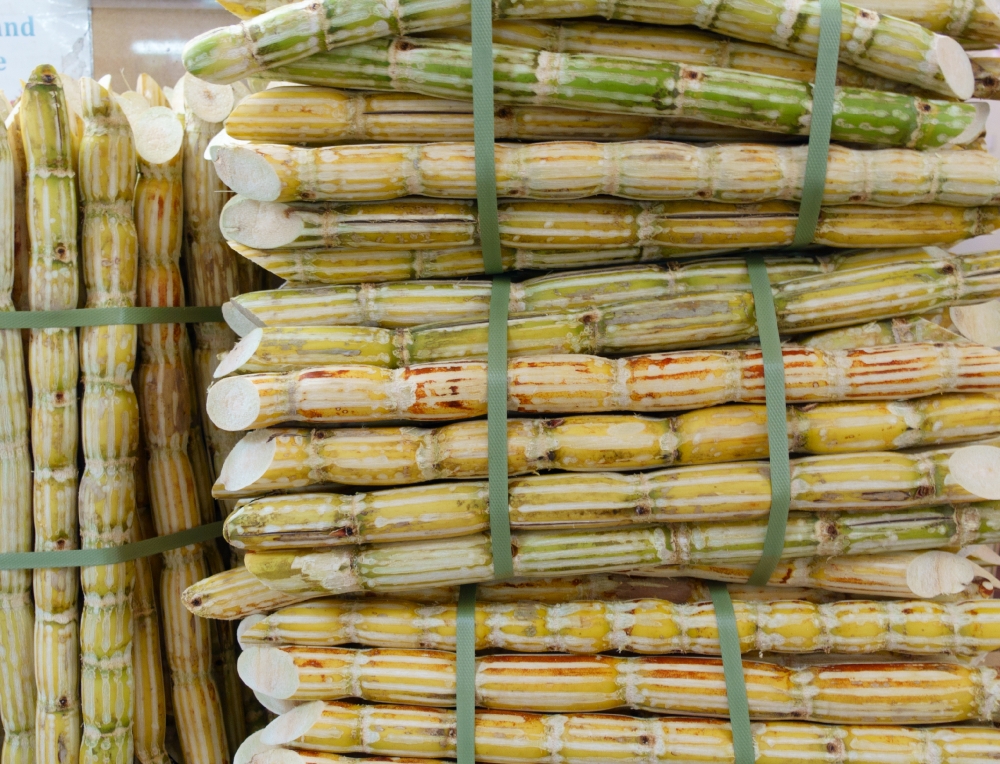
[(248, 461), (294, 724), (936, 573), (238, 320), (245, 625), (977, 470), (956, 68), (233, 404), (263, 225), (277, 756), (133, 104), (210, 101), (268, 670), (247, 172), (159, 135), (275, 705), (219, 141), (241, 353), (250, 747), (979, 323), (976, 125)]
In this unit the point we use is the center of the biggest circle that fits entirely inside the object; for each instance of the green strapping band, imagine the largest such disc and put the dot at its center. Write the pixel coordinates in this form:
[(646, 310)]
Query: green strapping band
[(496, 428), (777, 426), (484, 133), (88, 558), (820, 122), (732, 667), (71, 319), (465, 675)]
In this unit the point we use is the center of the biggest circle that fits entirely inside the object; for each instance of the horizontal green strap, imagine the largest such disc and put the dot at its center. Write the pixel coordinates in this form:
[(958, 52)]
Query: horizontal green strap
[(88, 558), (69, 319)]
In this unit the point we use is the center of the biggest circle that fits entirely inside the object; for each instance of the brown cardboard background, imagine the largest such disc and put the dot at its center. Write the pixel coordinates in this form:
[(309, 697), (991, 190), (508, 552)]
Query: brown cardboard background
[(117, 27)]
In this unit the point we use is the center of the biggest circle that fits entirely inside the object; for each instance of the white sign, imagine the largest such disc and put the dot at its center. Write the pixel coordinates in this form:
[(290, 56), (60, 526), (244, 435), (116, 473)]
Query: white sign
[(34, 32)]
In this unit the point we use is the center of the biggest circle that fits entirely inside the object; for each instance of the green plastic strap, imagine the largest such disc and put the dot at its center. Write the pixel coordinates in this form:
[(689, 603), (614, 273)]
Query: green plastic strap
[(732, 667), (87, 558), (68, 319), (496, 428), (484, 133), (820, 122), (465, 675), (777, 427)]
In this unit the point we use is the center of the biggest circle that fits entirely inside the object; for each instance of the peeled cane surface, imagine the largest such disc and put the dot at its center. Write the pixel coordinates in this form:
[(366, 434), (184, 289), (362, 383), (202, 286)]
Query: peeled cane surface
[(17, 621), (904, 693), (737, 172), (580, 384), (517, 737), (736, 491), (275, 460), (109, 418), (640, 626), (884, 45), (443, 68), (321, 115), (597, 223), (166, 377), (53, 367)]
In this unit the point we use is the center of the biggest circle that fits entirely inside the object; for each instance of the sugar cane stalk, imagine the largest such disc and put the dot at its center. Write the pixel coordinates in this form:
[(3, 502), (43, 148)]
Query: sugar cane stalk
[(884, 45), (165, 384), (17, 621), (54, 370)]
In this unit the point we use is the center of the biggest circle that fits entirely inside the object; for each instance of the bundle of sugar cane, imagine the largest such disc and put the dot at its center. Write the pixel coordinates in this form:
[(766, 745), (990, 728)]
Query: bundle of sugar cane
[(645, 626), (674, 228), (316, 730), (604, 312), (539, 553), (894, 48), (17, 678), (271, 460), (321, 115), (571, 384), (653, 170), (54, 367), (164, 383), (109, 418), (912, 693)]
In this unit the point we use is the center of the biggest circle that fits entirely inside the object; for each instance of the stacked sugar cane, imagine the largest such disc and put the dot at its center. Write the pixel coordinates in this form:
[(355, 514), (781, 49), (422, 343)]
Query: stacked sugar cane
[(637, 440)]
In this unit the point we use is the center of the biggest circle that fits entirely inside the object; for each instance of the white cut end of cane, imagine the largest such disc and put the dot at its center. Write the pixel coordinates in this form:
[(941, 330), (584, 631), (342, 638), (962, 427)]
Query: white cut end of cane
[(105, 81), (207, 100), (249, 460), (278, 756), (239, 321), (275, 705), (159, 135), (247, 623), (233, 404), (269, 670), (935, 573), (976, 126), (247, 173), (294, 724), (220, 139), (955, 66), (263, 225), (176, 96), (133, 104), (977, 470), (250, 747), (979, 323), (241, 353)]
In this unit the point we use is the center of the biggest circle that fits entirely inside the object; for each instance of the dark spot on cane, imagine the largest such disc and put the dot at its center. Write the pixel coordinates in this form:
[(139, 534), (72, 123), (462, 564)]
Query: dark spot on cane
[(925, 107)]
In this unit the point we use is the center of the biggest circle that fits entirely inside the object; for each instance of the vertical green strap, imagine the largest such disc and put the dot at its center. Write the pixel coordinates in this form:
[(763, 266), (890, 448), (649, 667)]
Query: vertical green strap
[(732, 667), (496, 428), (820, 122), (482, 118), (465, 675), (777, 427)]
